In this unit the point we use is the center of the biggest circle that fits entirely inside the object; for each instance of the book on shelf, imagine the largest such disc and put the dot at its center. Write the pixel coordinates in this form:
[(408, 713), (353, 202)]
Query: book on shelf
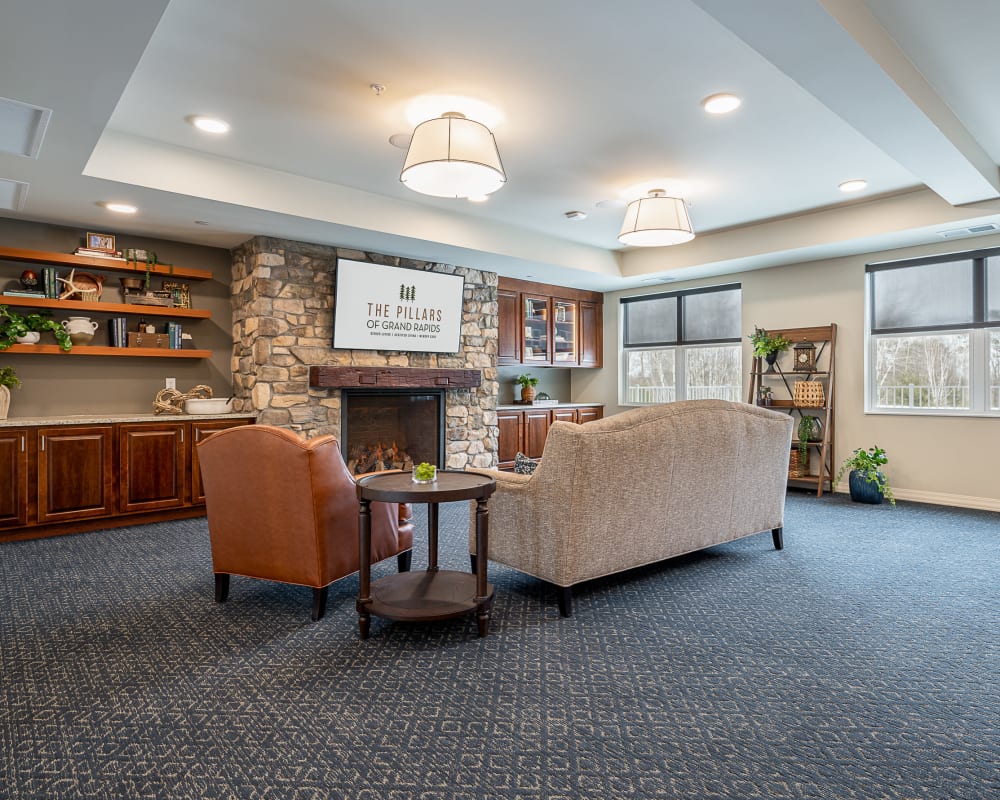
[(86, 251), (22, 293), (173, 330)]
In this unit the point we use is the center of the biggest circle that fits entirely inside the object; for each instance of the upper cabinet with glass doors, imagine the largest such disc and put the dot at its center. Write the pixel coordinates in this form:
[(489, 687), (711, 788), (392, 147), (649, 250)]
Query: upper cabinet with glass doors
[(544, 325)]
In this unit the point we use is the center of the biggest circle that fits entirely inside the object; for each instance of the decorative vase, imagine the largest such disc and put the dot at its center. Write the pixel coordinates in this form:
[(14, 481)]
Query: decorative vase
[(31, 337), (4, 401), (770, 358), (527, 394), (864, 490), (80, 329)]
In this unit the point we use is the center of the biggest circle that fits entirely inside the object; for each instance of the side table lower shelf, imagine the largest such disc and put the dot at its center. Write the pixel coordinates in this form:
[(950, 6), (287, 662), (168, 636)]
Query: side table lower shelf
[(426, 595)]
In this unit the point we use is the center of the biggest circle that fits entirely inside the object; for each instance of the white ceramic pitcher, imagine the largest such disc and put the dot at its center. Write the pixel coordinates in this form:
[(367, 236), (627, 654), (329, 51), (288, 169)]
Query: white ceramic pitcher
[(80, 329)]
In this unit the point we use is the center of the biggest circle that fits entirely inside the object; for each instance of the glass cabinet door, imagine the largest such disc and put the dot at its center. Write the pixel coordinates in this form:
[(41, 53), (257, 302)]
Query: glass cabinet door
[(536, 330), (565, 330)]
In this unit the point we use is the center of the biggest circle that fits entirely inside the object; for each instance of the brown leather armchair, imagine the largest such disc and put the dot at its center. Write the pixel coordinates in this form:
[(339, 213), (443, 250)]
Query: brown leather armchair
[(285, 509)]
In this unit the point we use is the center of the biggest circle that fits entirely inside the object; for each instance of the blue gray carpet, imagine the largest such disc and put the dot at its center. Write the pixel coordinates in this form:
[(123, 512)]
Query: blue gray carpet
[(859, 662)]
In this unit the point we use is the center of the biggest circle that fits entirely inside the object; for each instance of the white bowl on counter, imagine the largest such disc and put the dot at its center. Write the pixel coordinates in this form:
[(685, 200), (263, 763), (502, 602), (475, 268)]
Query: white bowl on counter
[(209, 405)]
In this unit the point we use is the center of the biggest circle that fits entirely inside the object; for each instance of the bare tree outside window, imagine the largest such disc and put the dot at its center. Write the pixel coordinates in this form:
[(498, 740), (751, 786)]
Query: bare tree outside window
[(928, 371)]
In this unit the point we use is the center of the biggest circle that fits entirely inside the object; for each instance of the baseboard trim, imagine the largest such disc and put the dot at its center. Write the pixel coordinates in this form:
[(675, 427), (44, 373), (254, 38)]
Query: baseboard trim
[(940, 498)]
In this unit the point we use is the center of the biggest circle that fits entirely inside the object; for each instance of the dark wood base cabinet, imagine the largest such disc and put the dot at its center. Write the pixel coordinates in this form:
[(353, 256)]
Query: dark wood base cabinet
[(70, 478), (525, 431)]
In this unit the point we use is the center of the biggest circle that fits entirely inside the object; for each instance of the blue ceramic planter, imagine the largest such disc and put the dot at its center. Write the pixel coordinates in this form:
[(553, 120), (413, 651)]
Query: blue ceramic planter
[(863, 490)]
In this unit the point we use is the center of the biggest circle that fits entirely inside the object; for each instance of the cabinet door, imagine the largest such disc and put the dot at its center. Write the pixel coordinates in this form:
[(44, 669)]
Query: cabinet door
[(536, 347), (536, 428), (509, 324), (75, 472), (13, 477), (199, 430), (589, 414), (510, 426), (591, 335), (565, 332), (152, 466), (564, 415)]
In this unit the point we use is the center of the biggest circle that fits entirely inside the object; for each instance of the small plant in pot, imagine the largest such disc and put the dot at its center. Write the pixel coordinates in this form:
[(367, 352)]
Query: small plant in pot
[(14, 327), (767, 347), (868, 484), (528, 384), (8, 381)]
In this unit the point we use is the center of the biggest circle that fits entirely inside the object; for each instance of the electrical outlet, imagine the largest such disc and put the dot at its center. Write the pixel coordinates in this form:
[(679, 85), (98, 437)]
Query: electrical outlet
[(171, 383)]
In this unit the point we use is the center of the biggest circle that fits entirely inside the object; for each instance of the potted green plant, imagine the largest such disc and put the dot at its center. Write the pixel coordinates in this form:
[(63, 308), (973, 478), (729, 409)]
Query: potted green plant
[(868, 484), (8, 381), (767, 347), (808, 431), (14, 326), (424, 472), (528, 384)]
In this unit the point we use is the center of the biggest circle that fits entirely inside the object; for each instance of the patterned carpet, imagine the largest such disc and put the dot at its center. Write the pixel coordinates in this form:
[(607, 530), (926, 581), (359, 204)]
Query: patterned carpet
[(859, 662)]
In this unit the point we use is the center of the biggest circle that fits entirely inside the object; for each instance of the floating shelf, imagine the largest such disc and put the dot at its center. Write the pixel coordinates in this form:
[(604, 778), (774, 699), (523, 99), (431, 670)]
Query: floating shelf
[(88, 350), (75, 306), (101, 264)]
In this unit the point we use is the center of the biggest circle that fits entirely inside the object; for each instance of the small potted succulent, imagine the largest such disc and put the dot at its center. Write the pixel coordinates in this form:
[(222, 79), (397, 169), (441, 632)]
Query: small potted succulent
[(868, 484), (767, 347), (528, 384), (424, 473)]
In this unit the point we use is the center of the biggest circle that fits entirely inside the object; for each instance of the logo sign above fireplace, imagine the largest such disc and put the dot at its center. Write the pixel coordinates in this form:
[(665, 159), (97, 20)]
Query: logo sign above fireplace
[(390, 308)]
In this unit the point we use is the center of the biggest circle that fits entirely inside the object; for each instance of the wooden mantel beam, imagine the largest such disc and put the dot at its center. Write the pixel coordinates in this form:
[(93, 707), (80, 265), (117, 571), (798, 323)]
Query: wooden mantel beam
[(393, 378)]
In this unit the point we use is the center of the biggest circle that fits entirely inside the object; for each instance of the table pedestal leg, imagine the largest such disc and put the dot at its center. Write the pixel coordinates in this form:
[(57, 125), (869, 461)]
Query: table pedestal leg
[(432, 537), (364, 565), (482, 553)]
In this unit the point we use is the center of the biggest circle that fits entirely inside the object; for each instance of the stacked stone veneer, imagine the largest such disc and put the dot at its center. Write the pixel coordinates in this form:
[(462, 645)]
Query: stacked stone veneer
[(283, 300)]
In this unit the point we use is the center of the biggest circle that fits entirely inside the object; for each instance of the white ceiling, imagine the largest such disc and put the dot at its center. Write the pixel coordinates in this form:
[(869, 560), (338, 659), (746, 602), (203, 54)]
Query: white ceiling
[(593, 98)]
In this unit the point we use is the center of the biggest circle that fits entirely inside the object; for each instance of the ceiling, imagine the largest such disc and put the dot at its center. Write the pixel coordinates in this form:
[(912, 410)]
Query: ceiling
[(590, 99)]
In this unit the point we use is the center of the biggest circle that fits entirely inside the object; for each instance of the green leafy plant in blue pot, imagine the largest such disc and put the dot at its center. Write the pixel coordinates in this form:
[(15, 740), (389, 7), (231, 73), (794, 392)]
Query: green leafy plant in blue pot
[(868, 484)]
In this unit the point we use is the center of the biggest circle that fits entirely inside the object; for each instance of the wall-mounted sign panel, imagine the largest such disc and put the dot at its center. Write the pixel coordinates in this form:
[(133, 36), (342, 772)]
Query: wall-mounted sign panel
[(390, 308)]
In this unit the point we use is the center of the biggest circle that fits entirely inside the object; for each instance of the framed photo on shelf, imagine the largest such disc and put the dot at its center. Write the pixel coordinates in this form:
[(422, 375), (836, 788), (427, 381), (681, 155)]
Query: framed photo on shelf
[(104, 242), (181, 292)]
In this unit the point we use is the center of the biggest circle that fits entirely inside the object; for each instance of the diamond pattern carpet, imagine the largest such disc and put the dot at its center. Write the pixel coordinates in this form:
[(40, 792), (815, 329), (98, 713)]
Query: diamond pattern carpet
[(859, 662)]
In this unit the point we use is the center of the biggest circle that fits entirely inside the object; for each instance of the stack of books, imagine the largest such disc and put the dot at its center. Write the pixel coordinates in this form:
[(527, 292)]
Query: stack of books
[(117, 333), (174, 335), (87, 251), (20, 292)]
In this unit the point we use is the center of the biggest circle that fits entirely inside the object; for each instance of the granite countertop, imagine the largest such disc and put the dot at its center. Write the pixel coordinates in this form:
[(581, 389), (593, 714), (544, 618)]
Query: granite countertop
[(523, 406), (106, 419)]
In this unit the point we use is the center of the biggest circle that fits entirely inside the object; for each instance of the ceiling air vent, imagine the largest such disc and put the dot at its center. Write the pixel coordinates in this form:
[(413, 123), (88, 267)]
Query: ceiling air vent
[(12, 194), (972, 230), (22, 127)]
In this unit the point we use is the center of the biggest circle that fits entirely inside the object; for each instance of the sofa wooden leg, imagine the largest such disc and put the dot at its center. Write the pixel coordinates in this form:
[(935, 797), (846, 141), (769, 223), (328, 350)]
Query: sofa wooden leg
[(474, 561), (319, 603), (777, 538), (221, 587), (403, 561), (564, 594)]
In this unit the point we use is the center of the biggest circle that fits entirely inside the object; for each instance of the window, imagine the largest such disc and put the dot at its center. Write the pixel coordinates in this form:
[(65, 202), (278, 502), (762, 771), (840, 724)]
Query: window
[(682, 346), (934, 335)]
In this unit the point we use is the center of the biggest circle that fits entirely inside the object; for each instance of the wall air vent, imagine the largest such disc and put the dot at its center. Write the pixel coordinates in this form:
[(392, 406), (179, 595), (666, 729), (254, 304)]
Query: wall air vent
[(22, 127), (972, 230)]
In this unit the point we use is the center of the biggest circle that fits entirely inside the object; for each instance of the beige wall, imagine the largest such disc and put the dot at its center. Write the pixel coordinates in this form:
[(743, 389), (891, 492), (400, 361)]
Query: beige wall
[(56, 385), (948, 460)]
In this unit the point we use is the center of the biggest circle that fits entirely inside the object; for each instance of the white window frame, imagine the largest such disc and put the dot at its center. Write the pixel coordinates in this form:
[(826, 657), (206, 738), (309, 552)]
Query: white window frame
[(979, 335)]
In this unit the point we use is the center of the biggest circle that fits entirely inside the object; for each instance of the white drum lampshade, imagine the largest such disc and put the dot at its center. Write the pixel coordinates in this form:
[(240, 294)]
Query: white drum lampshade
[(452, 156), (656, 221)]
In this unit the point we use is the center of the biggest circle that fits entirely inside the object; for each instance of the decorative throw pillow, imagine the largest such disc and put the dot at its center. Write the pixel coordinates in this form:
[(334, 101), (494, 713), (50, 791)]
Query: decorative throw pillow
[(524, 465)]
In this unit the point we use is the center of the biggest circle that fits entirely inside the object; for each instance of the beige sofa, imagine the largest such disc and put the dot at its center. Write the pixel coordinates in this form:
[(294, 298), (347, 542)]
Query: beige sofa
[(638, 487)]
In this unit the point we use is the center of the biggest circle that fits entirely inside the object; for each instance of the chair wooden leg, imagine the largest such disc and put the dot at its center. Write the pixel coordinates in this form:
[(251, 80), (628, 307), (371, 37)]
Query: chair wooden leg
[(565, 596), (221, 587), (777, 538), (403, 561), (474, 561), (319, 603)]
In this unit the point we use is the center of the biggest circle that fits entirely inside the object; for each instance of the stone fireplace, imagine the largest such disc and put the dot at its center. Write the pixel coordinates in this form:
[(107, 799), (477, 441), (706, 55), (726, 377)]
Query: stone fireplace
[(283, 293), (391, 428)]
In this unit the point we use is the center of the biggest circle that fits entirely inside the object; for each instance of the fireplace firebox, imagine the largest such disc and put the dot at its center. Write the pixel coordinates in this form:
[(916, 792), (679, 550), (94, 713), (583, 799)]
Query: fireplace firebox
[(392, 428)]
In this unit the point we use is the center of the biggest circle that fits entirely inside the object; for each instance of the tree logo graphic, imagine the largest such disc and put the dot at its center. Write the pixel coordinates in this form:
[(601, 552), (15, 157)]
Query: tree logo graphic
[(407, 292)]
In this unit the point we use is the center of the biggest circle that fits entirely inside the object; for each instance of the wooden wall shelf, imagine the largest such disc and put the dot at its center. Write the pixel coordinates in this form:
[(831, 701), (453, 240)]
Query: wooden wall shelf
[(76, 306), (102, 264), (87, 350)]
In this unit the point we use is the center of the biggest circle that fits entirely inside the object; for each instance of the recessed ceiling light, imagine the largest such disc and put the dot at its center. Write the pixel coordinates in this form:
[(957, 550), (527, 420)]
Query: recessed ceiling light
[(855, 185), (120, 208), (401, 140), (478, 198), (200, 222), (210, 124), (721, 103)]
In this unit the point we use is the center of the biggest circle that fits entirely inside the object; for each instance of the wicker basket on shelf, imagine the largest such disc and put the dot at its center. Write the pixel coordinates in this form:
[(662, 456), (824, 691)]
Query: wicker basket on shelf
[(808, 394), (795, 464)]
